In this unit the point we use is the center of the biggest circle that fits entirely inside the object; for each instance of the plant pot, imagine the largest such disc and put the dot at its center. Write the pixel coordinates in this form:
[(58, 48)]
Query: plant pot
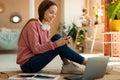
[(114, 25)]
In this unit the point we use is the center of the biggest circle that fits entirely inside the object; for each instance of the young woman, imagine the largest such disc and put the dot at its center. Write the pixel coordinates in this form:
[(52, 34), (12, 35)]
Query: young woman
[(36, 49)]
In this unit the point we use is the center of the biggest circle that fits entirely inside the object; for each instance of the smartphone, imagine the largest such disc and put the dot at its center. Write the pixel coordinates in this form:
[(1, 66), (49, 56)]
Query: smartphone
[(70, 33)]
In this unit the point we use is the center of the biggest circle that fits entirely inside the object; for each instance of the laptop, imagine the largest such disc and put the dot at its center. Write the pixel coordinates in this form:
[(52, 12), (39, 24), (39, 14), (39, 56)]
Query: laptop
[(95, 69)]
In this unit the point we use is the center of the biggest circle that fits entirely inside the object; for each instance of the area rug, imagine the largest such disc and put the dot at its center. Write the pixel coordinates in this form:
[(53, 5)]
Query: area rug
[(114, 75)]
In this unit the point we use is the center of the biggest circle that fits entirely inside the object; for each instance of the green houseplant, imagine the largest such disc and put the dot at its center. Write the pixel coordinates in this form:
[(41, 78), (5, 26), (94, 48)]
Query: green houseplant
[(80, 35), (65, 29), (113, 12)]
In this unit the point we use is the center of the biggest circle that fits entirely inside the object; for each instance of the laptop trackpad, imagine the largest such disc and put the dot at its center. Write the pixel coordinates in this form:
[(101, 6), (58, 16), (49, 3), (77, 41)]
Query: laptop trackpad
[(75, 77)]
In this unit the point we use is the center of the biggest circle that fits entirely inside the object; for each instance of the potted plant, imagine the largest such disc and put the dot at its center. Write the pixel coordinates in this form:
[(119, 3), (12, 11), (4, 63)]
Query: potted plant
[(81, 36), (113, 12), (80, 39)]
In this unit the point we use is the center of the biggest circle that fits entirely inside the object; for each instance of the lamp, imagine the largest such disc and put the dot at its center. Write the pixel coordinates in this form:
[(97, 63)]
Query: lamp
[(1, 7), (15, 18)]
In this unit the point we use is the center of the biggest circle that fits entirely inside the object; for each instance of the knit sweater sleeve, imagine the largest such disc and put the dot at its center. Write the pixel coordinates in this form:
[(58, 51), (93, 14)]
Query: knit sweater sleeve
[(35, 44)]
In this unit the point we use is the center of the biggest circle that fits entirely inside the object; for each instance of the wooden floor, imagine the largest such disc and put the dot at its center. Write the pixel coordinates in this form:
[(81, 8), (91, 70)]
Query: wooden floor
[(111, 76)]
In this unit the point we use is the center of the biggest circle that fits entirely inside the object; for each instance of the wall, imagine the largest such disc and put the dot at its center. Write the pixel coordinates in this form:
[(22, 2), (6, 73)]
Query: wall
[(22, 8), (68, 10), (72, 10), (14, 7)]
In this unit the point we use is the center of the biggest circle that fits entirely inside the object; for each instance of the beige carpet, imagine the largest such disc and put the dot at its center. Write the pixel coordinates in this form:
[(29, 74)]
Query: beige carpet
[(111, 76)]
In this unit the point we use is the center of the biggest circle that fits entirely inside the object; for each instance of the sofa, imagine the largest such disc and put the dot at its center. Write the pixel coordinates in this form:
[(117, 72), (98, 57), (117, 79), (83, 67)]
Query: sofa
[(8, 39)]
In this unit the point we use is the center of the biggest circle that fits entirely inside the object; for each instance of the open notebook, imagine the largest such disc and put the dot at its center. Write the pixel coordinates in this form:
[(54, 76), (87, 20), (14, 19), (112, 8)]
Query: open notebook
[(34, 76)]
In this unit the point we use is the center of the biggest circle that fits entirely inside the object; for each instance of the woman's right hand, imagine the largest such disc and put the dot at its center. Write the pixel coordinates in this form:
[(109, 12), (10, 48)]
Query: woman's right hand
[(63, 41)]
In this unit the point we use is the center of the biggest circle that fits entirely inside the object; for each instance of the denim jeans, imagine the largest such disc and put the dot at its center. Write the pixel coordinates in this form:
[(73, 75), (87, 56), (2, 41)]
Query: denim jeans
[(38, 62)]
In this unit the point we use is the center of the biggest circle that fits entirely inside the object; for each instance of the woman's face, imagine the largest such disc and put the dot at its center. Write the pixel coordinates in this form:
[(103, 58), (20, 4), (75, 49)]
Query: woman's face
[(50, 14)]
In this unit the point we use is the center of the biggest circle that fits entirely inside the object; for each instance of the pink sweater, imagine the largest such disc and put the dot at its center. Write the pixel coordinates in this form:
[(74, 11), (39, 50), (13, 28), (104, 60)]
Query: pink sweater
[(33, 41)]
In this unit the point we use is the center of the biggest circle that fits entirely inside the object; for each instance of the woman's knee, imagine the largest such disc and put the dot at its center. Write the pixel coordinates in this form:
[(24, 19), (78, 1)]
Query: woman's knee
[(56, 37)]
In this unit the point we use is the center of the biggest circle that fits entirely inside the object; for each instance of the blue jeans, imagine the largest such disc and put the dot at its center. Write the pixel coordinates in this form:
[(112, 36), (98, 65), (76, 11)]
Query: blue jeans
[(38, 62)]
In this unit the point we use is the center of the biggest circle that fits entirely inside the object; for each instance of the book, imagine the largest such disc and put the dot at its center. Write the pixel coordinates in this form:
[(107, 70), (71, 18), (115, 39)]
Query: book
[(34, 76)]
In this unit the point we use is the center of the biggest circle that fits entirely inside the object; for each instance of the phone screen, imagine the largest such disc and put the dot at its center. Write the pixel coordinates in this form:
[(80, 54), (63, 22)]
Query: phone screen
[(70, 33)]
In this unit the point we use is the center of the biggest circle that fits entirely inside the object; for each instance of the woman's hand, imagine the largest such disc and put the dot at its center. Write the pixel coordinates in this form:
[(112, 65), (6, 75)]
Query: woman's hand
[(63, 41)]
